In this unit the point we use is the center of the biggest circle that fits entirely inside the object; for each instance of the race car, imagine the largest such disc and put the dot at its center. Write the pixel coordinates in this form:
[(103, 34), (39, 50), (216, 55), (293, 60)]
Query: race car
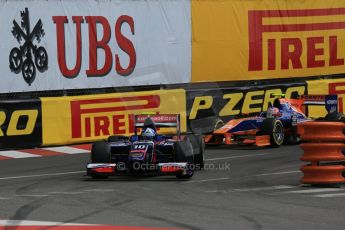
[(148, 153), (272, 127)]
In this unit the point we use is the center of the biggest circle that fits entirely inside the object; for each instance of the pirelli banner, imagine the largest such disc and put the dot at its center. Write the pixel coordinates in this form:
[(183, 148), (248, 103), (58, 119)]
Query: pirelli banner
[(77, 119), (324, 87), (265, 39), (20, 123), (79, 44)]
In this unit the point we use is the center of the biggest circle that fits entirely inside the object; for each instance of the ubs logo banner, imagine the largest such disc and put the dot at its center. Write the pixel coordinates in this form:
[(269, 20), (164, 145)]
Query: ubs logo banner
[(28, 57), (93, 44)]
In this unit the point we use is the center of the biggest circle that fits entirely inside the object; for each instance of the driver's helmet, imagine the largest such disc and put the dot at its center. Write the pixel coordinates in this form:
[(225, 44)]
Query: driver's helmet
[(271, 111), (148, 134)]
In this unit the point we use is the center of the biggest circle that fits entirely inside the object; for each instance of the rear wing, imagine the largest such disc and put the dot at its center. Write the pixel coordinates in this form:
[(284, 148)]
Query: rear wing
[(302, 102), (329, 101), (159, 121)]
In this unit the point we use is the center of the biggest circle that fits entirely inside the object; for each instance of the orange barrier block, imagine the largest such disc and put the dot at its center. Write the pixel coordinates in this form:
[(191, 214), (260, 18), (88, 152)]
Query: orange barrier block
[(323, 174), (315, 152), (322, 131), (324, 141)]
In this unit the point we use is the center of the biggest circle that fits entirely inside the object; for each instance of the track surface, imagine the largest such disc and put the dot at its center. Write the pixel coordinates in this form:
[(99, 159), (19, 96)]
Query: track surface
[(260, 190)]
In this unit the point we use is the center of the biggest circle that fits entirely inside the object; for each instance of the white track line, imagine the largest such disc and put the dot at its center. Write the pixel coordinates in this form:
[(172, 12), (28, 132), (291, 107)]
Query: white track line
[(241, 156), (207, 180), (17, 154), (99, 190), (266, 174), (279, 173), (277, 187), (40, 175), (67, 150), (33, 195), (34, 223), (330, 195), (317, 190), (67, 193)]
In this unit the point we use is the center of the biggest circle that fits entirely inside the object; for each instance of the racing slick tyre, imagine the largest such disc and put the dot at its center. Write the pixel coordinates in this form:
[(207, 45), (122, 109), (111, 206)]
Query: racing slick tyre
[(217, 139), (335, 116), (100, 153), (290, 140), (117, 138), (275, 129), (198, 144), (203, 125), (184, 153)]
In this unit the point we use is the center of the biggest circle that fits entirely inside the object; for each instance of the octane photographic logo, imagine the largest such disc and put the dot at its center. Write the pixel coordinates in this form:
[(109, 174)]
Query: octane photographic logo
[(223, 166), (28, 56)]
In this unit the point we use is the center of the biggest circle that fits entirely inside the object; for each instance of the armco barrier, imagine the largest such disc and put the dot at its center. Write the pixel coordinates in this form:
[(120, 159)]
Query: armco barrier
[(324, 148)]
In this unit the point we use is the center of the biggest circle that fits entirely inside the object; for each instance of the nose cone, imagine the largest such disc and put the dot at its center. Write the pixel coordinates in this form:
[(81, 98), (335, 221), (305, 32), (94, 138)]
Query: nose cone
[(228, 126)]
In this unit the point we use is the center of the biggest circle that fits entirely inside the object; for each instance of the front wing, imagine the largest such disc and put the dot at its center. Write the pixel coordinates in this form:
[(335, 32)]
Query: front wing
[(235, 139), (113, 169)]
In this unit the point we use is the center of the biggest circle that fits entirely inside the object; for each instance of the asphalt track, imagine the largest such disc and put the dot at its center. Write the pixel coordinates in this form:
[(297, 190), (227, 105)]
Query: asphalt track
[(242, 188)]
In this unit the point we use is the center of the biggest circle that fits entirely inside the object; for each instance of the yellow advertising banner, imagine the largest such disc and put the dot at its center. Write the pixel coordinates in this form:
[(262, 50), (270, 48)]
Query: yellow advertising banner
[(325, 87), (67, 120), (266, 39)]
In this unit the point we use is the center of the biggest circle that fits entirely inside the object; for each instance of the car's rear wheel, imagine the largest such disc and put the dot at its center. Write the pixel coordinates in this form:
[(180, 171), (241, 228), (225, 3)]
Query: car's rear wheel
[(184, 153), (289, 139), (275, 129), (334, 116)]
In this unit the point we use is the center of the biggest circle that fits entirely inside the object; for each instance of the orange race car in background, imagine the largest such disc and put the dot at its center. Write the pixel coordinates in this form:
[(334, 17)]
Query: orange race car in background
[(273, 127)]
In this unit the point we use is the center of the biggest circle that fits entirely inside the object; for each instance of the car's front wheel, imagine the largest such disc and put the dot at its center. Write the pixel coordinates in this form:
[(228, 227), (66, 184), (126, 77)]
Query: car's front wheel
[(100, 152), (184, 153), (198, 150), (275, 129)]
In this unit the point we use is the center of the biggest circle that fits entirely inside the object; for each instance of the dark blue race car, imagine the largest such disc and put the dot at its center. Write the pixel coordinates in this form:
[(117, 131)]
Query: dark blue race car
[(148, 153)]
